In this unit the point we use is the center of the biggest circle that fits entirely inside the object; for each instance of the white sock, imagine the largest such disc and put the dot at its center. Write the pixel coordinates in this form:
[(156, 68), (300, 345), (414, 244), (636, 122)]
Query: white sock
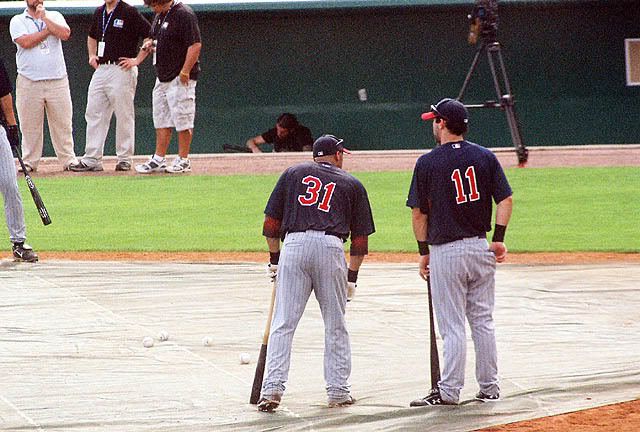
[(158, 158)]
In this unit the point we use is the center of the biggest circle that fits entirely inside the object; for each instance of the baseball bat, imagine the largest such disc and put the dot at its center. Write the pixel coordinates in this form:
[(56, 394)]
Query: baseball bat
[(231, 148), (435, 361), (262, 359), (37, 199)]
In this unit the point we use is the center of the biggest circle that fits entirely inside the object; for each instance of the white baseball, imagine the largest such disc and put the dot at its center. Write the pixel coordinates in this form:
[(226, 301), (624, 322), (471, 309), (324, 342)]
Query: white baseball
[(207, 341), (147, 342), (163, 336), (245, 358)]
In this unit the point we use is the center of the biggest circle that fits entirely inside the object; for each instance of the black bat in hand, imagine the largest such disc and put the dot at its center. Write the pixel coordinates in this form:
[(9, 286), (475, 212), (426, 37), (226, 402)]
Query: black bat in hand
[(435, 361), (37, 199), (262, 359)]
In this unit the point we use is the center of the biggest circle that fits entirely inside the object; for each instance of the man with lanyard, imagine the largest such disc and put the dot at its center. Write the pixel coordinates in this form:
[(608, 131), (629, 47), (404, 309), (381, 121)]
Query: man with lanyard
[(112, 45), (42, 83), (176, 44)]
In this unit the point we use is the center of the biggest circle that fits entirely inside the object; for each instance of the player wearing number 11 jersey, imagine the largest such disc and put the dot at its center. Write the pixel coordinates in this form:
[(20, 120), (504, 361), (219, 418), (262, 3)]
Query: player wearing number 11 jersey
[(451, 199), (314, 208)]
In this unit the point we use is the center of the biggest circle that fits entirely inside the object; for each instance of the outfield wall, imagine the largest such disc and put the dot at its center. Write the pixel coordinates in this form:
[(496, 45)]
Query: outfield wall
[(565, 60)]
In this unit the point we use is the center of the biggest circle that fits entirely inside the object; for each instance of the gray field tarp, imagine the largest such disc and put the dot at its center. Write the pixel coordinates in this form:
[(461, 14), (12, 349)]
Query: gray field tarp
[(71, 354)]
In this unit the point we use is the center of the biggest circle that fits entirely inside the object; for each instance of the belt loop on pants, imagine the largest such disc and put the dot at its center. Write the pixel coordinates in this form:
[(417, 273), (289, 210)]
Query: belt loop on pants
[(329, 233)]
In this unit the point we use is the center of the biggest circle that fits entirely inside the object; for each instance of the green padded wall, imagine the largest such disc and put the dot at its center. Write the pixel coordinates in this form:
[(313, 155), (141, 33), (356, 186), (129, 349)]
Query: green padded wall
[(565, 61)]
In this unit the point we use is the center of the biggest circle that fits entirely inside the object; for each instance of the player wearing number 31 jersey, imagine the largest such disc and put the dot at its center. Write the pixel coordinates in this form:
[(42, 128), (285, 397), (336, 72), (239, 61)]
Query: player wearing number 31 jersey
[(314, 207), (451, 199)]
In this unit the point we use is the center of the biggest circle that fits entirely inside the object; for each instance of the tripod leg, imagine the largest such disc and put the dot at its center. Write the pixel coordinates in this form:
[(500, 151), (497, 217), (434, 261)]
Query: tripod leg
[(474, 63), (507, 103)]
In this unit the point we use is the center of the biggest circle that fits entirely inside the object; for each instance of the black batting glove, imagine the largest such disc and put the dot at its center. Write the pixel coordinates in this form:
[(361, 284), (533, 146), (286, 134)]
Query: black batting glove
[(13, 136)]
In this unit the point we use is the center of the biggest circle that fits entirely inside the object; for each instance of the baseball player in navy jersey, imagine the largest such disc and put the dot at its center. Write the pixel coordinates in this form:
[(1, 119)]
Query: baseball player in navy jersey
[(314, 207), (9, 142), (450, 196)]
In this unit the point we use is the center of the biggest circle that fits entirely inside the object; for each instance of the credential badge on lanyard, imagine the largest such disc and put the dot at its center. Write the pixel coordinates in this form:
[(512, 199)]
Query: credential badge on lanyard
[(105, 24), (44, 45)]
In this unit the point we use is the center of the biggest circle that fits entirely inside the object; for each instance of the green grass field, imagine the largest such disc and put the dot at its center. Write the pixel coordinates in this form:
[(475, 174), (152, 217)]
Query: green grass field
[(555, 209)]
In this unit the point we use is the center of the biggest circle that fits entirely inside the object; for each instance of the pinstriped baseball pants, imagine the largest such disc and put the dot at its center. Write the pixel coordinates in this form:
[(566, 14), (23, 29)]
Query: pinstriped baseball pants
[(463, 286), (8, 185), (310, 261)]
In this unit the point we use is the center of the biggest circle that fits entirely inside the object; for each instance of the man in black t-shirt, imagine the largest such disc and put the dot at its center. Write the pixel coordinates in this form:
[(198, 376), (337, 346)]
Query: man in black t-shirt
[(176, 43), (314, 207), (9, 143), (288, 135), (116, 30)]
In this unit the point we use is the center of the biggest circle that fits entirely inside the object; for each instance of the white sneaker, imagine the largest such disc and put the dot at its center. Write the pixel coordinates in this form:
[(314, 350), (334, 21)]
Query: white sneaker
[(179, 166), (151, 166)]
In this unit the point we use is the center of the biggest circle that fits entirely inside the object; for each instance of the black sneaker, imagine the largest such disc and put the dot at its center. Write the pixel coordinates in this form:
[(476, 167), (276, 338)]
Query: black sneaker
[(82, 167), (488, 398), (24, 252), (433, 398), (123, 166), (269, 404)]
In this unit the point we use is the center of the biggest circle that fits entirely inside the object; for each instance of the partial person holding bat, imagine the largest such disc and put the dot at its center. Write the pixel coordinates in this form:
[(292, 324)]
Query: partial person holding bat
[(9, 144), (288, 135), (451, 196), (314, 207)]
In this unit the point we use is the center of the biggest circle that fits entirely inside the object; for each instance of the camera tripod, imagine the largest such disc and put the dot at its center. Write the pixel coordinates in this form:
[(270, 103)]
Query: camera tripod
[(503, 92)]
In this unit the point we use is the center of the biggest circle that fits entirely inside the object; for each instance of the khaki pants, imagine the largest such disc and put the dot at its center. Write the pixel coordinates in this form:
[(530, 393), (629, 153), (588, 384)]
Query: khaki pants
[(33, 99), (112, 90)]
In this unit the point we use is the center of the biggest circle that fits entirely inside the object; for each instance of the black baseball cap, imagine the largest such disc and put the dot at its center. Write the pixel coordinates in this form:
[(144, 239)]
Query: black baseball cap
[(451, 110), (328, 145)]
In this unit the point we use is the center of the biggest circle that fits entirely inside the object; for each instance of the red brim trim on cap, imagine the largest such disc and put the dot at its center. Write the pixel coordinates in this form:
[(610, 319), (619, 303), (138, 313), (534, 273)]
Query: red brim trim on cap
[(428, 115)]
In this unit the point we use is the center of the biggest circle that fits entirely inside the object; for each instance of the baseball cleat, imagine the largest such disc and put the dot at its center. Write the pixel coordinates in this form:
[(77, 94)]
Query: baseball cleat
[(151, 166), (433, 398), (179, 166), (24, 253), (349, 400), (483, 397), (269, 404)]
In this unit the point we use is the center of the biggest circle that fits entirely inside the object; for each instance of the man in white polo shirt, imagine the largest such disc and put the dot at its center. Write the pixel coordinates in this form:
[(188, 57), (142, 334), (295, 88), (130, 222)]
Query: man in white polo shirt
[(42, 84)]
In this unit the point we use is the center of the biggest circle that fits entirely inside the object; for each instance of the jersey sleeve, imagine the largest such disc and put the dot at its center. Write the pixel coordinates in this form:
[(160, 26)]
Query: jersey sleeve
[(502, 189), (362, 217), (276, 203), (417, 197)]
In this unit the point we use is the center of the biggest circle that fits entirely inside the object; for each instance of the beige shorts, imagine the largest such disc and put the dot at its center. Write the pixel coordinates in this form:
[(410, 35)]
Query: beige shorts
[(174, 104)]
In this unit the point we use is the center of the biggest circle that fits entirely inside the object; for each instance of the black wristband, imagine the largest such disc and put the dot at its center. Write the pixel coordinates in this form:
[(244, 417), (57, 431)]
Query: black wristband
[(423, 248), (352, 276), (498, 233), (274, 257)]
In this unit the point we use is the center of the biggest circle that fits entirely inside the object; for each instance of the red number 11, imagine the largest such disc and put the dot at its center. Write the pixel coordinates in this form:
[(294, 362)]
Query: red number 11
[(470, 174)]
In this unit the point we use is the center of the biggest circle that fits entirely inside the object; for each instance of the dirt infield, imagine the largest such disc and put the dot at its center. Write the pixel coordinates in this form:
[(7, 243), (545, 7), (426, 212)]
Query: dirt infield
[(619, 417)]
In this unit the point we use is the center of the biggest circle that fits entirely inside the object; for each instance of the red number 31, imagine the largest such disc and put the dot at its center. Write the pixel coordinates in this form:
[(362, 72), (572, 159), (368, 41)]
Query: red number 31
[(312, 194), (470, 174)]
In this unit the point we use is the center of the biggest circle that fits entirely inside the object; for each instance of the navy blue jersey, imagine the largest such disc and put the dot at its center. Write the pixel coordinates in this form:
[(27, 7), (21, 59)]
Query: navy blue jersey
[(321, 197), (454, 185)]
